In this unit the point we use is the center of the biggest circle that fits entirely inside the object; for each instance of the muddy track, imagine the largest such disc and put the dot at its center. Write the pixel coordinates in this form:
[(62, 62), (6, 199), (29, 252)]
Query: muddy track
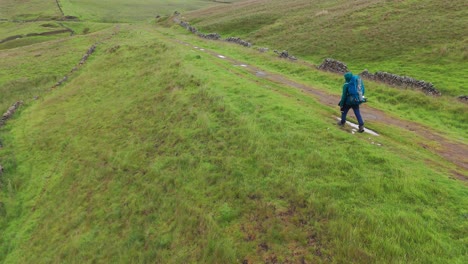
[(454, 152)]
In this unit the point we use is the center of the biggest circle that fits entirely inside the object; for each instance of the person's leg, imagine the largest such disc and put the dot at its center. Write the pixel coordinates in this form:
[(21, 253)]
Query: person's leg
[(344, 113), (357, 113)]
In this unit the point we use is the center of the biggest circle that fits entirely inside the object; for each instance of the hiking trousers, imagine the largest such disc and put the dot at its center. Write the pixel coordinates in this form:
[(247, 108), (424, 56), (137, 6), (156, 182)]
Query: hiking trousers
[(356, 111)]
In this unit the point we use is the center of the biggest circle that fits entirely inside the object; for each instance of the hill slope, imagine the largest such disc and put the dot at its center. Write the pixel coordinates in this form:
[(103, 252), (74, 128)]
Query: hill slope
[(404, 37), (167, 148), (157, 161)]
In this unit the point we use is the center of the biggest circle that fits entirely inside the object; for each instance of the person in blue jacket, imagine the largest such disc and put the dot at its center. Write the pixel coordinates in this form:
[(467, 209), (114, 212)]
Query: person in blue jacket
[(345, 105)]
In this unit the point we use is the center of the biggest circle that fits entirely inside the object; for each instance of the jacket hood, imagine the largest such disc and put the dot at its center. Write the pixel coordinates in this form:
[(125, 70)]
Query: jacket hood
[(348, 76)]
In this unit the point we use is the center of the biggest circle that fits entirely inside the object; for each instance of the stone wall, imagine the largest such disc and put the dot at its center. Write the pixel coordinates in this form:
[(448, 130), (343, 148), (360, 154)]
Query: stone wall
[(82, 61), (9, 113), (59, 7), (88, 53), (236, 40), (402, 81), (239, 41), (212, 36), (332, 65), (187, 26)]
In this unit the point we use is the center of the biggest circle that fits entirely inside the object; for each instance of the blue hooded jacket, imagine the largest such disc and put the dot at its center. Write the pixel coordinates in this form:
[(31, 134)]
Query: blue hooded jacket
[(348, 76)]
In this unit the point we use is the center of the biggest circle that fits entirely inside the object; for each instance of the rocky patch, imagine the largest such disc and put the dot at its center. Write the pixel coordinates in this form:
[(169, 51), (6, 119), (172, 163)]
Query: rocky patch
[(285, 54), (463, 98)]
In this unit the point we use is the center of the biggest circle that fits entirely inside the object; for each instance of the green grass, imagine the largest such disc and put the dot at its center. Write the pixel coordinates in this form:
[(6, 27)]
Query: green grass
[(123, 11), (10, 29), (158, 161), (26, 29), (445, 114), (29, 71), (423, 39), (86, 27), (153, 152), (26, 41), (29, 10)]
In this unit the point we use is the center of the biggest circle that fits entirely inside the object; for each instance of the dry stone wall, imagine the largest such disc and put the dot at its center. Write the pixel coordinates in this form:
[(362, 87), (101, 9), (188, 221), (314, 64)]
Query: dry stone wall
[(9, 113), (239, 41), (402, 81), (59, 7), (332, 65), (212, 36), (216, 36), (82, 61), (428, 88)]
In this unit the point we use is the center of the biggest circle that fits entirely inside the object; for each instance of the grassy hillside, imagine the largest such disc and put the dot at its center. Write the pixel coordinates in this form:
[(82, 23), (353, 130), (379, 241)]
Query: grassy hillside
[(30, 71), (125, 11), (156, 152), (156, 160), (424, 39), (444, 114), (29, 10)]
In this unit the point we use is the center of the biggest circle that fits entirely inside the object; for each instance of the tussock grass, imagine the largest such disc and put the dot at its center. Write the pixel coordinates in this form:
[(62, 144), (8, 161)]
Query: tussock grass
[(168, 157)]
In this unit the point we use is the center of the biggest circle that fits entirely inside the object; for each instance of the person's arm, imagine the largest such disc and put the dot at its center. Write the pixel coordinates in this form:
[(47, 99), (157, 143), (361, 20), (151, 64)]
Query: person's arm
[(343, 95), (363, 89)]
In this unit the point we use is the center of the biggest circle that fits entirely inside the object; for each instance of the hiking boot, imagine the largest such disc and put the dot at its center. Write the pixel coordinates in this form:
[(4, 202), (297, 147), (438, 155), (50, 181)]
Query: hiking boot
[(340, 123), (361, 129)]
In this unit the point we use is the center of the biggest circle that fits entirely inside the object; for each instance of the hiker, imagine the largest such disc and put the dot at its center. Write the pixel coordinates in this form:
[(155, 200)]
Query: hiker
[(351, 97)]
